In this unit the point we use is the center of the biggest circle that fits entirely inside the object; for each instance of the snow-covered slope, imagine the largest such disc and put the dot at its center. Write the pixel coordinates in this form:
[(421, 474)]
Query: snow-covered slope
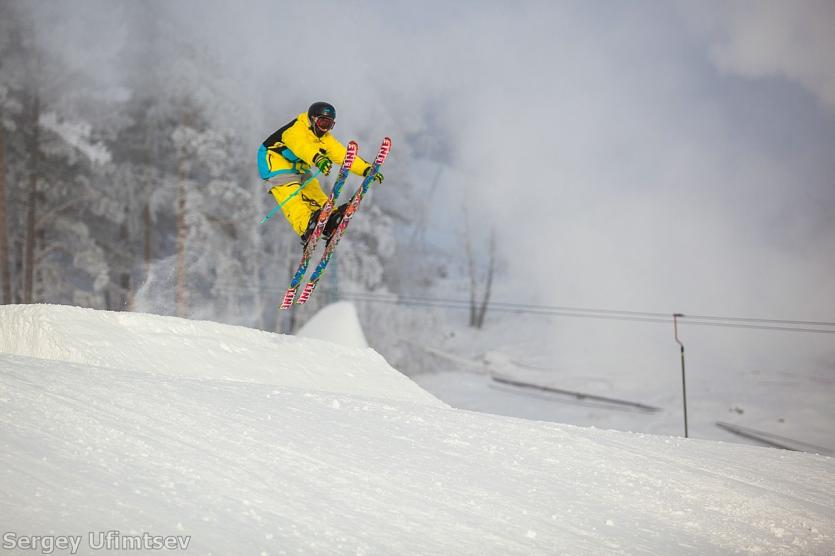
[(91, 440), (185, 348)]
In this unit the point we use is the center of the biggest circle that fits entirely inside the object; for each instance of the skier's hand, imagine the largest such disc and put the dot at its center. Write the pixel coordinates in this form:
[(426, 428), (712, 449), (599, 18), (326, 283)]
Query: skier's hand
[(378, 176), (323, 163)]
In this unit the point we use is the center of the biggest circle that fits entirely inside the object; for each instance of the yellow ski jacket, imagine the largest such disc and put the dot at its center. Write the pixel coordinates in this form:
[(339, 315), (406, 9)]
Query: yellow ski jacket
[(297, 144)]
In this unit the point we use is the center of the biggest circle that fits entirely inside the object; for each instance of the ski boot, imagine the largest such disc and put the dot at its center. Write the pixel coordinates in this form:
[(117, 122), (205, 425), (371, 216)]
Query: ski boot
[(311, 225), (333, 221)]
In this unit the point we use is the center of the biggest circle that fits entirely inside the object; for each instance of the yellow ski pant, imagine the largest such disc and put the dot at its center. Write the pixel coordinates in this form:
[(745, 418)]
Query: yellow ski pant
[(299, 208), (310, 199)]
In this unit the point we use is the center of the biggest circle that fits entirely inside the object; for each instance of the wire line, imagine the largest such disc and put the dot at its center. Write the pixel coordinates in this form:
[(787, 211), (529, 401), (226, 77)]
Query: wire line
[(753, 323)]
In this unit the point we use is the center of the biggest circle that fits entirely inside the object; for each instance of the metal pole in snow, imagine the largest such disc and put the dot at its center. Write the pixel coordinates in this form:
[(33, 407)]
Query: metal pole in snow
[(683, 382)]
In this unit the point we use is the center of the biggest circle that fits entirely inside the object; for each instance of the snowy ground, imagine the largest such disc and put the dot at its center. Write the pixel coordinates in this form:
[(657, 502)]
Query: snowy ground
[(804, 416), (245, 443), (775, 383)]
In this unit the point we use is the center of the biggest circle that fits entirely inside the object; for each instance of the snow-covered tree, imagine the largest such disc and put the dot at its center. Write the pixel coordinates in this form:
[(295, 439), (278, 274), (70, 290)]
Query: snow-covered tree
[(44, 162), (10, 106)]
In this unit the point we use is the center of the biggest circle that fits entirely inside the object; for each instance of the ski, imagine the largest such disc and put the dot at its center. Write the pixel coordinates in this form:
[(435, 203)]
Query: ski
[(327, 208), (385, 147)]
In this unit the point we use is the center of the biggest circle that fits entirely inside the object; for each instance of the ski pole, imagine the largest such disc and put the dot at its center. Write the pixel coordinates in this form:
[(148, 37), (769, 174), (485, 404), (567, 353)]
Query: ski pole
[(293, 194)]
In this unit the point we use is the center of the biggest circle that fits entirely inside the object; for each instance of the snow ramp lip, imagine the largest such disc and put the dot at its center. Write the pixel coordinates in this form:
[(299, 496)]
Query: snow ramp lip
[(200, 349)]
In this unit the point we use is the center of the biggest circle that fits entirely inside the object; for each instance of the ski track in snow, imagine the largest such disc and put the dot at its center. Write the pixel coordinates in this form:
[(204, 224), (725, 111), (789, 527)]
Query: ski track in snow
[(284, 466)]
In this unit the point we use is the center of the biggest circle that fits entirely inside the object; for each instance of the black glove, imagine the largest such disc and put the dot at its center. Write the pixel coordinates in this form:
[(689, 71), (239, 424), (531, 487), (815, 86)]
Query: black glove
[(323, 163), (378, 176)]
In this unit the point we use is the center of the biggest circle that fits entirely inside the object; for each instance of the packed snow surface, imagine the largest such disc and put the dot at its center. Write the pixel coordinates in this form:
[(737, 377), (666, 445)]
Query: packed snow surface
[(255, 443), (185, 348)]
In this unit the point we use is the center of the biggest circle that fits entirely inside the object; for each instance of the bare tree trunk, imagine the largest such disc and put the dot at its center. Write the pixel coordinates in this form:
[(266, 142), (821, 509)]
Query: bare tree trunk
[(182, 233), (256, 276), (125, 299), (5, 270), (31, 213), (29, 241), (147, 220), (471, 266), (130, 301), (17, 274), (488, 287), (478, 311), (147, 252)]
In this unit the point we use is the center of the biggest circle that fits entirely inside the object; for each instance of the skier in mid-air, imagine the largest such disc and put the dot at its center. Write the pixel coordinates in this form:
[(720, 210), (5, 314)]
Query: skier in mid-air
[(285, 160)]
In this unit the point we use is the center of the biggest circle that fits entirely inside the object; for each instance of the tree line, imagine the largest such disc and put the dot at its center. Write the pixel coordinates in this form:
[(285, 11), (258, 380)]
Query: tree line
[(134, 195)]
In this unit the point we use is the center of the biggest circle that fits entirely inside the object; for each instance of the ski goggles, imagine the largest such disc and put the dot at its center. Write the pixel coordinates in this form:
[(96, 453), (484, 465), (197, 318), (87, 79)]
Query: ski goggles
[(325, 123)]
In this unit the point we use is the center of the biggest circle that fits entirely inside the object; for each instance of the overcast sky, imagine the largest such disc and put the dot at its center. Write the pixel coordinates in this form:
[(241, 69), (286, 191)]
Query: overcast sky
[(647, 155)]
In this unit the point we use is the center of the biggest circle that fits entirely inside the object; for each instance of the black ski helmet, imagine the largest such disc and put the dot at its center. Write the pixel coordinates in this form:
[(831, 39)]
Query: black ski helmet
[(321, 109)]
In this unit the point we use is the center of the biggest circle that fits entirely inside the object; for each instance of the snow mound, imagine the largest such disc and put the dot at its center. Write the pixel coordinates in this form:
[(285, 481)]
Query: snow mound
[(337, 323), (247, 468), (199, 349), (244, 442)]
